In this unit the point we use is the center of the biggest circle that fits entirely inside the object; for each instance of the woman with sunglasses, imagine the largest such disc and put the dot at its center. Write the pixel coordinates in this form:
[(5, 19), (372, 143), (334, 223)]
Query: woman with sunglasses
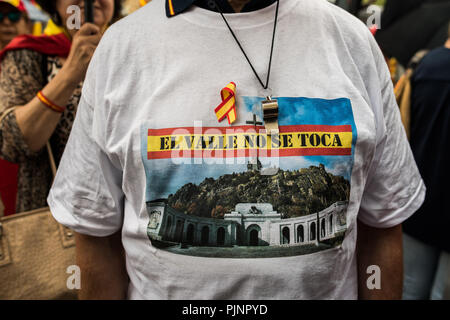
[(14, 21), (40, 84)]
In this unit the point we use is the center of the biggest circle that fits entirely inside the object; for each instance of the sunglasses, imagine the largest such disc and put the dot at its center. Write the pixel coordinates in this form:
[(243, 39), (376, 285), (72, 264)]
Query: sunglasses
[(12, 16)]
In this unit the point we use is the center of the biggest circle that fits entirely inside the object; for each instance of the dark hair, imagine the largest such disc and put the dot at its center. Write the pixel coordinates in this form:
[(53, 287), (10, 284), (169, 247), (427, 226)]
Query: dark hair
[(50, 8)]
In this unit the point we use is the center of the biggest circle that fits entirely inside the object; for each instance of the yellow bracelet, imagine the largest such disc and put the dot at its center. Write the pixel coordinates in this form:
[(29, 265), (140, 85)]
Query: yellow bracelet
[(49, 104)]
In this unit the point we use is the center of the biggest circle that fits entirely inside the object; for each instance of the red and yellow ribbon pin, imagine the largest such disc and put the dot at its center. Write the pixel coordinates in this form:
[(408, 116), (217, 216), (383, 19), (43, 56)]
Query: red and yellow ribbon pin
[(228, 106)]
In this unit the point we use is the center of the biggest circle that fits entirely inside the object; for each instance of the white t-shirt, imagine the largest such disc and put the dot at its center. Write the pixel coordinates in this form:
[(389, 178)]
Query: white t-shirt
[(202, 216)]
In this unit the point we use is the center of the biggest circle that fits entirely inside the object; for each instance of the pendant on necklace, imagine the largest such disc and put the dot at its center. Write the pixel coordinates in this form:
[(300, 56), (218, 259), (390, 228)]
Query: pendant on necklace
[(270, 115)]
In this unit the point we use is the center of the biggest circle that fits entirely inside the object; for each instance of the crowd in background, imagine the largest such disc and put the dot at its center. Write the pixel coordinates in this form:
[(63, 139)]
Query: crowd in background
[(33, 20), (56, 71)]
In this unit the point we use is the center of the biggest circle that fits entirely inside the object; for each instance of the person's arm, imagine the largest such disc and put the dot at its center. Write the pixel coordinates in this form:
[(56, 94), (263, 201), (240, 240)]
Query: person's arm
[(36, 121), (102, 264), (20, 79), (87, 194), (383, 248)]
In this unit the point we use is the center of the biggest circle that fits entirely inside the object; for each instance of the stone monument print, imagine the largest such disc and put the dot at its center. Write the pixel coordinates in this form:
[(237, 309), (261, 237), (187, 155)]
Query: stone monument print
[(208, 195)]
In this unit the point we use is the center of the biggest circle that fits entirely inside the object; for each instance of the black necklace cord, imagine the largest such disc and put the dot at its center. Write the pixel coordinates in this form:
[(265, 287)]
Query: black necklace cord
[(273, 41), (242, 49)]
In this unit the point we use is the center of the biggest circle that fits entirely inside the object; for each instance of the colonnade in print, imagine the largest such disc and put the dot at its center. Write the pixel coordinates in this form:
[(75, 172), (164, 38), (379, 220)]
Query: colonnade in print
[(243, 228)]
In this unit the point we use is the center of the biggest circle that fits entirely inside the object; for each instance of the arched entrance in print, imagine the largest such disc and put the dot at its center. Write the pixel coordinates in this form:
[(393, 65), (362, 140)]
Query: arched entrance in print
[(190, 234), (322, 228), (312, 231), (331, 223), (300, 234), (168, 227), (204, 236), (285, 235), (253, 235), (220, 236), (179, 230)]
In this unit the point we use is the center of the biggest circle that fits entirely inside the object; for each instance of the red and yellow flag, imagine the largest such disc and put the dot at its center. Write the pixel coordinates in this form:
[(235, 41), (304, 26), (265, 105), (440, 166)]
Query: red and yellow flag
[(228, 106), (16, 3)]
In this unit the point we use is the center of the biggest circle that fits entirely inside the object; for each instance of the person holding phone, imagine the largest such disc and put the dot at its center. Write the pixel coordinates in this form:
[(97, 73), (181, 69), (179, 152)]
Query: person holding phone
[(14, 21), (41, 79)]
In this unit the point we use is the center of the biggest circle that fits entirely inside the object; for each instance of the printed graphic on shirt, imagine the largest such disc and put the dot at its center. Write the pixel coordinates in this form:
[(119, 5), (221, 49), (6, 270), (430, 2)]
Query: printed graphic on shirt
[(236, 192)]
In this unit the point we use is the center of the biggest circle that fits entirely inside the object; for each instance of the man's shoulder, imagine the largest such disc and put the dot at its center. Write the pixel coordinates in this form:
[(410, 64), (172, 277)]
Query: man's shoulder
[(338, 24), (152, 11), (333, 14), (147, 18)]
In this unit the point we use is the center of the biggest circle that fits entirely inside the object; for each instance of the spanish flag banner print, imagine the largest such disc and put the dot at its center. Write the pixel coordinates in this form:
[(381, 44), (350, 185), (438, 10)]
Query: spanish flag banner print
[(245, 140)]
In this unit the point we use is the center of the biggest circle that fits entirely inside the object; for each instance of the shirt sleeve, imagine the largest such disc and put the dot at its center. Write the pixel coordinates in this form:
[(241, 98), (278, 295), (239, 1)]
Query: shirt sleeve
[(394, 189), (86, 195)]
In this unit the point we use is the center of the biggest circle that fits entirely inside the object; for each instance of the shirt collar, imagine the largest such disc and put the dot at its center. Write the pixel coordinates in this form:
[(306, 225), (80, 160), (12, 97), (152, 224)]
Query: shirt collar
[(174, 7)]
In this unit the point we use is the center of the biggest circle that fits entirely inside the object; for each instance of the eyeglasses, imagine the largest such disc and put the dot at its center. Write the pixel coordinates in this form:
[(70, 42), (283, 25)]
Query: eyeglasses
[(12, 16)]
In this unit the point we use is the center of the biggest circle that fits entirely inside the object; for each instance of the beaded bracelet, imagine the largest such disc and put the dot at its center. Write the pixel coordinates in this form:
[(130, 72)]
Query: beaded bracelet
[(49, 104)]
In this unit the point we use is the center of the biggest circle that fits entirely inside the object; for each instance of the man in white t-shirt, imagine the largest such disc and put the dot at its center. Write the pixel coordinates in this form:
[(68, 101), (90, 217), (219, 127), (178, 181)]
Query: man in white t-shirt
[(206, 208)]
